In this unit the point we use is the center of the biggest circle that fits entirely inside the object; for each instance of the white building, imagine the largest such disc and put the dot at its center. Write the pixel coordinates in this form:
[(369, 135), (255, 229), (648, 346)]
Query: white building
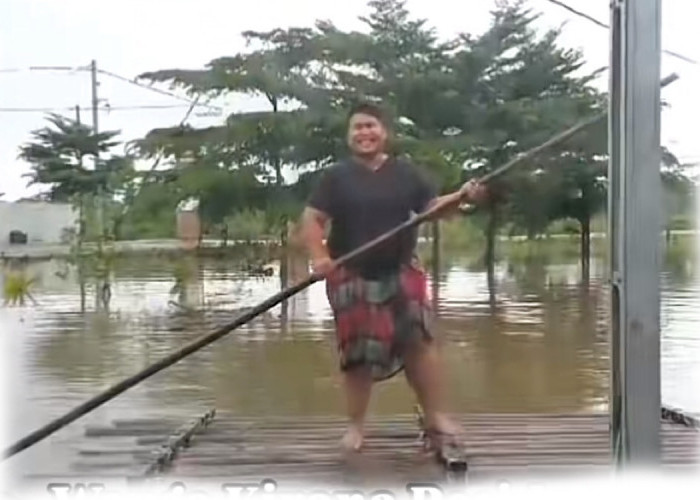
[(44, 223)]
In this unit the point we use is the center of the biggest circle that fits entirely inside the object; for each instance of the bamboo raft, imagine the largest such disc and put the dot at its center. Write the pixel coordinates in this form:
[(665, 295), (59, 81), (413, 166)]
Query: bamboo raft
[(230, 448)]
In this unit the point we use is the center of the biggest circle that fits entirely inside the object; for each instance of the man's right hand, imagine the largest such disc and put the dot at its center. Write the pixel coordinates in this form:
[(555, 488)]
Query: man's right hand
[(322, 266)]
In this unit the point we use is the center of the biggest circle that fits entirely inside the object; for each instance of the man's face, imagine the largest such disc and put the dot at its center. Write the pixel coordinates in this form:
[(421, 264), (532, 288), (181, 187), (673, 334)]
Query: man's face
[(366, 135)]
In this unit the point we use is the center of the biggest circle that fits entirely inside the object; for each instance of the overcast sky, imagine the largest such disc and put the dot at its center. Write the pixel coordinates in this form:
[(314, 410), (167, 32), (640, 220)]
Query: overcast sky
[(128, 37)]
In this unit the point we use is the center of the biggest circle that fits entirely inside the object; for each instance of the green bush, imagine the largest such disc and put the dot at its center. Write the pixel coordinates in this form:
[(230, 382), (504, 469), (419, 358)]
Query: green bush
[(682, 222), (250, 225), (461, 232)]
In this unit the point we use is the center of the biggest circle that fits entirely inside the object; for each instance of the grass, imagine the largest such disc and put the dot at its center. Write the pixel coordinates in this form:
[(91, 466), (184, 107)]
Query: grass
[(461, 233), (465, 236), (552, 250), (17, 288), (251, 225)]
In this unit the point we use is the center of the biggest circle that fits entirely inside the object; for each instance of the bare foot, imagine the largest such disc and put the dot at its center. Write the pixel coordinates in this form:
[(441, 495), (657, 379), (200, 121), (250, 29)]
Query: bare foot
[(445, 425), (442, 431), (353, 438)]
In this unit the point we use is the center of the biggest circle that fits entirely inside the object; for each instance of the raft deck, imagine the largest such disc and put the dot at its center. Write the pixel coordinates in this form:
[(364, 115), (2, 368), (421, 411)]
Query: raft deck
[(304, 450)]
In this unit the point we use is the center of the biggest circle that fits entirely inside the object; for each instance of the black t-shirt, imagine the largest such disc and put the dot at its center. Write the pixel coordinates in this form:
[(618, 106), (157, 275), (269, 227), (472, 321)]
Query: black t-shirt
[(363, 204)]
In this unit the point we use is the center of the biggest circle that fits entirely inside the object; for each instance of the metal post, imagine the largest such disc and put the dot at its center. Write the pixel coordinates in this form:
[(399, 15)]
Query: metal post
[(635, 229), (614, 198)]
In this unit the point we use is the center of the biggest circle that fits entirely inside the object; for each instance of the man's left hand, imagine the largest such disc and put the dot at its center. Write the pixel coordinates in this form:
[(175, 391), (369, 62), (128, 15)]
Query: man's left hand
[(473, 192)]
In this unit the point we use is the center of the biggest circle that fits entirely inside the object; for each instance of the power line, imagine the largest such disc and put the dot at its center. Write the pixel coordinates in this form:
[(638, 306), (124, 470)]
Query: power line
[(44, 68), (152, 89), (112, 75), (107, 108), (603, 25)]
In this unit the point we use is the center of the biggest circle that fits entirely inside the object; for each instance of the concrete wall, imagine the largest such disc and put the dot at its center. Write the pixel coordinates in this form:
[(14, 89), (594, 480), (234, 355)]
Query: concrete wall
[(43, 222)]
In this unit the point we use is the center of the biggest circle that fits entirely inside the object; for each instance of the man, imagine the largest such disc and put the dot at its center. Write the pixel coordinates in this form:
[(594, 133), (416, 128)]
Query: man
[(379, 300)]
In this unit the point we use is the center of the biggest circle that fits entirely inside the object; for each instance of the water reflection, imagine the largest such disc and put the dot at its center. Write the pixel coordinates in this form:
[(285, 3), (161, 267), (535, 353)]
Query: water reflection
[(537, 342)]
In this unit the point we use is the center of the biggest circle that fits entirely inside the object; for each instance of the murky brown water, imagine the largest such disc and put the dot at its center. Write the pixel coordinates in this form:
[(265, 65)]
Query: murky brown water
[(542, 346)]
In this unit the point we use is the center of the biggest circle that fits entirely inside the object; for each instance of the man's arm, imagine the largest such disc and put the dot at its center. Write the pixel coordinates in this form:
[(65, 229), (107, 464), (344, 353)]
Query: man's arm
[(471, 192), (319, 211), (450, 203), (426, 196), (313, 228)]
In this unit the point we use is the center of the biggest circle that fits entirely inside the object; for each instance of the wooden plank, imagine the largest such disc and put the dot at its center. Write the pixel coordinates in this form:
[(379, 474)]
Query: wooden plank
[(509, 444), (129, 450), (492, 435), (233, 418), (100, 431), (165, 423)]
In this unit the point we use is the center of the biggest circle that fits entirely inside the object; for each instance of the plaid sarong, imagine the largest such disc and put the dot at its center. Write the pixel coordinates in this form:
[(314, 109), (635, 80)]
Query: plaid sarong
[(375, 318)]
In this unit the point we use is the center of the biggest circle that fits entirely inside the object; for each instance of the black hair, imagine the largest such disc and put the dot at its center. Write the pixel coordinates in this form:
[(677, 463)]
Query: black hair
[(367, 108)]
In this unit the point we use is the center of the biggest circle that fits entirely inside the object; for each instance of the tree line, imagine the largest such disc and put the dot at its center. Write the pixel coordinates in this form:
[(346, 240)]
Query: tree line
[(460, 107)]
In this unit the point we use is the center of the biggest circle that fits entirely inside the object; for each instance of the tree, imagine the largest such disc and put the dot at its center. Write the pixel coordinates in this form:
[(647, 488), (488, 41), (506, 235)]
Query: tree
[(57, 156), (261, 142), (515, 90), (678, 191), (399, 63), (581, 195), (461, 107)]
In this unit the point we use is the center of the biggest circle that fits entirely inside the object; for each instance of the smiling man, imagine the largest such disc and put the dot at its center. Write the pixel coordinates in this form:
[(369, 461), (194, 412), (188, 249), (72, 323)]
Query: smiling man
[(379, 300)]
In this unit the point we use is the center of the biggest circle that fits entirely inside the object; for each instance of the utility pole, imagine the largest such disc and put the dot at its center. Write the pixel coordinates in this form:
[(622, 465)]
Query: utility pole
[(81, 215), (81, 227), (101, 297), (635, 232), (95, 126), (95, 100)]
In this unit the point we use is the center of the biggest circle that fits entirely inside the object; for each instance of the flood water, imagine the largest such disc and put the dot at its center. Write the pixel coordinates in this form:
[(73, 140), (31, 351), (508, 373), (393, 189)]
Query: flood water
[(538, 344)]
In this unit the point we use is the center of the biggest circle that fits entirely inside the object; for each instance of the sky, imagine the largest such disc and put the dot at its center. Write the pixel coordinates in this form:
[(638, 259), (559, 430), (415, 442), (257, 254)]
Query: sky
[(129, 37)]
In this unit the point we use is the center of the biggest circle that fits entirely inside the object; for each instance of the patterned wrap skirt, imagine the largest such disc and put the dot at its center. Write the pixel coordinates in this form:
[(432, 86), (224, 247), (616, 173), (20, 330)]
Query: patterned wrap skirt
[(375, 319)]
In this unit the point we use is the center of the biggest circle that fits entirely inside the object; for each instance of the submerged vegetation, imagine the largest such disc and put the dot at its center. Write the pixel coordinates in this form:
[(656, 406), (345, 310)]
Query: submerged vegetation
[(17, 286)]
